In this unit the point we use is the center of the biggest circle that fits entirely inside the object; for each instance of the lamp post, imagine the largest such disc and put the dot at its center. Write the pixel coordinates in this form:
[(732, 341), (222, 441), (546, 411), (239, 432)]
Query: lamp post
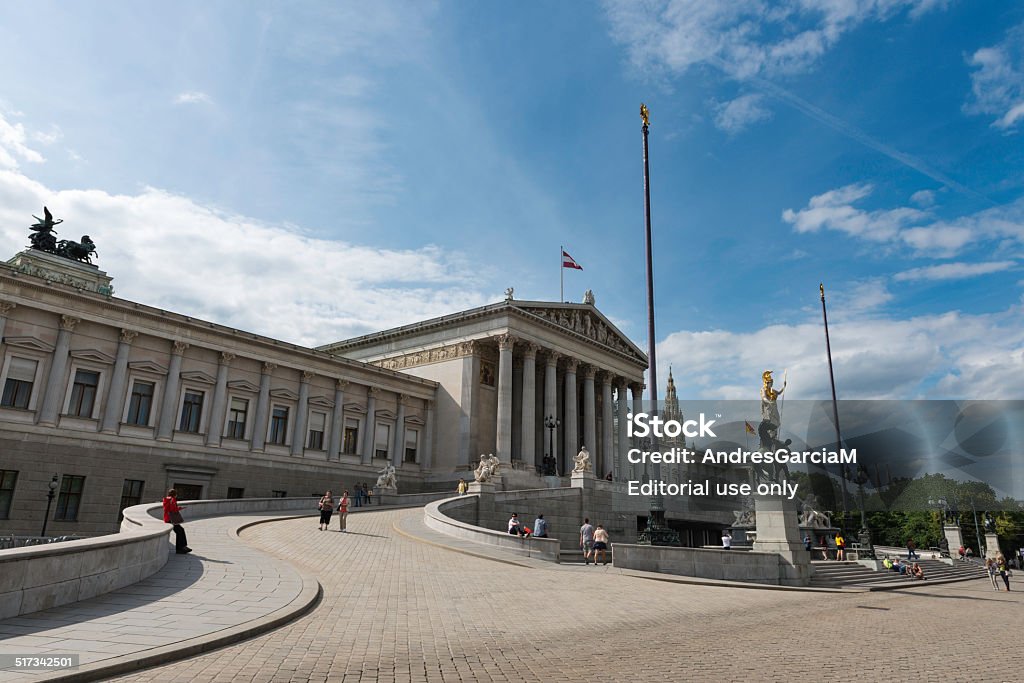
[(864, 537), (551, 422), (977, 529), (49, 501)]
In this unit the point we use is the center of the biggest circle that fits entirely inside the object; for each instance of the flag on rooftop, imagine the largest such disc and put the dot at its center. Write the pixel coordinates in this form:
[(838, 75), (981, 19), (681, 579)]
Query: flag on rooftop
[(569, 261)]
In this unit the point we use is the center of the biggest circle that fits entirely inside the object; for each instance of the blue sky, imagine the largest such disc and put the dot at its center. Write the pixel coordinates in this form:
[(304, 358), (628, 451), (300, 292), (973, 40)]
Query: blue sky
[(314, 171)]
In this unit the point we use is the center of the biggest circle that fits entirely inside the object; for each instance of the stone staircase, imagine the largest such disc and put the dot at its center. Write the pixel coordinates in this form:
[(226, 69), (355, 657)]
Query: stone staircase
[(832, 574)]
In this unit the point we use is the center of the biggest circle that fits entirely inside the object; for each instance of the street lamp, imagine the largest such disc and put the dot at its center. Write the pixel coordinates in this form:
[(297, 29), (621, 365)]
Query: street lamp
[(867, 548), (49, 501), (551, 422)]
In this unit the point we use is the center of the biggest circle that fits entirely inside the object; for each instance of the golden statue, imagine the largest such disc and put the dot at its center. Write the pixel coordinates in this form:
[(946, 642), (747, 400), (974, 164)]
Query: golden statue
[(644, 114)]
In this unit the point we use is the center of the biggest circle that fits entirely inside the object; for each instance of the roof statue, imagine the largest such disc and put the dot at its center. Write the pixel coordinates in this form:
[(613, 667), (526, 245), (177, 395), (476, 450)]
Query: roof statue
[(43, 238), (588, 297), (644, 114), (508, 293)]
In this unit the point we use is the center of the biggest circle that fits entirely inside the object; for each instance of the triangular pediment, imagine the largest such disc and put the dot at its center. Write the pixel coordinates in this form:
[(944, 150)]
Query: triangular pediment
[(29, 343), (148, 366), (198, 377), (356, 408), (286, 394), (92, 356), (414, 420), (584, 320), (243, 385), (321, 402), (384, 415)]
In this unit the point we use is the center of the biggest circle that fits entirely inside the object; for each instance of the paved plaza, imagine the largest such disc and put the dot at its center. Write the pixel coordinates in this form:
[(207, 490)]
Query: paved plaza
[(402, 603)]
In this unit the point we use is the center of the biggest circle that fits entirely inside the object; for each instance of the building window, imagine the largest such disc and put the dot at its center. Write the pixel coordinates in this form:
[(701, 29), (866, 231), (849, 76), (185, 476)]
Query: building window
[(278, 494), (237, 416), (70, 497), (191, 412), (382, 441), (279, 425), (317, 422), (7, 481), (18, 387), (83, 393), (131, 494), (140, 404), (235, 492), (412, 438), (351, 441)]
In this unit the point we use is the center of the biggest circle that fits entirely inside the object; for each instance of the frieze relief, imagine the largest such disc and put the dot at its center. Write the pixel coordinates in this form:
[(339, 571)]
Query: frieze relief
[(426, 356), (583, 322)]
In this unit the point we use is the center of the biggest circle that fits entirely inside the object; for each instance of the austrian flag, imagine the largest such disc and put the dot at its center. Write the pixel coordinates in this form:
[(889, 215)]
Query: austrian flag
[(569, 262)]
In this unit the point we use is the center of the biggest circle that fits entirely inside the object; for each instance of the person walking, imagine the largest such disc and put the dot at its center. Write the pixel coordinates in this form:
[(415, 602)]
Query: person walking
[(1004, 571), (990, 567), (840, 546), (600, 544), (326, 506), (911, 553), (540, 527), (586, 540), (343, 512), (462, 487), (172, 515)]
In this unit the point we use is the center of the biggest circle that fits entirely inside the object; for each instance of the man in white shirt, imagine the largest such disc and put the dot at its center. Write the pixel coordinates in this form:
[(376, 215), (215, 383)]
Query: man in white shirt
[(726, 540)]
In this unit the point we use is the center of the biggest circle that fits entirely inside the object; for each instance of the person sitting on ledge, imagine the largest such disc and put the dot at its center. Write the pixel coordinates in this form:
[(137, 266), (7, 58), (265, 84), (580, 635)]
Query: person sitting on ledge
[(514, 527)]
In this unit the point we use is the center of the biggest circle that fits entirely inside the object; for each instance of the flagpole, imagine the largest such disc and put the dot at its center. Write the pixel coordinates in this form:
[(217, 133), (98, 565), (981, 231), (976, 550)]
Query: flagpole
[(835, 405), (561, 273)]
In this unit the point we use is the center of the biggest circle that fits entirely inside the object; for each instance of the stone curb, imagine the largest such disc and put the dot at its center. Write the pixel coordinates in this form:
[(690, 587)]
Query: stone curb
[(462, 551)]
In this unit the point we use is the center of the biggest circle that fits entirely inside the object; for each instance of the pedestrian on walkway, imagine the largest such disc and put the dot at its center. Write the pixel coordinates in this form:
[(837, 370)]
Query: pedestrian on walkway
[(726, 540), (911, 553), (172, 515), (840, 546), (1004, 571), (462, 487), (326, 506), (990, 567), (343, 512), (540, 527), (600, 544), (586, 540)]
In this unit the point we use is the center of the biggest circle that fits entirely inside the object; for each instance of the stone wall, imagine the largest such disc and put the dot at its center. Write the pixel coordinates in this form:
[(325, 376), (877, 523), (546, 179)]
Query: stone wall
[(725, 565)]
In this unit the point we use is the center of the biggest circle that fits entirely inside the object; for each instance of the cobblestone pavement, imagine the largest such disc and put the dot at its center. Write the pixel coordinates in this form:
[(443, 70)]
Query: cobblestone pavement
[(395, 609)]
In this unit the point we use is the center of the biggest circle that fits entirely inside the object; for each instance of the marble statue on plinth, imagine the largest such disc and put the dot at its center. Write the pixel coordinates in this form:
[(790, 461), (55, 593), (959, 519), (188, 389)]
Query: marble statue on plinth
[(487, 468), (582, 461), (387, 478), (810, 517)]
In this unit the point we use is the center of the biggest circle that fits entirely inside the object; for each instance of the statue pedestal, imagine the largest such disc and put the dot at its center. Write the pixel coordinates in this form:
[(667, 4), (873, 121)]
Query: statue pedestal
[(991, 546), (582, 480), (52, 268), (778, 532), (386, 496), (485, 515), (954, 538), (481, 487)]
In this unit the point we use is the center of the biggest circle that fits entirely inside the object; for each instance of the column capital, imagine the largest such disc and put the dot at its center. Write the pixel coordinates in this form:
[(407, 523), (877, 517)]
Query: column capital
[(530, 350), (571, 364), (552, 357), (6, 307), (372, 392), (341, 383), (268, 368), (128, 336), (505, 341), (589, 372), (307, 376), (68, 322), (607, 378), (638, 389), (179, 348), (620, 384), (226, 357)]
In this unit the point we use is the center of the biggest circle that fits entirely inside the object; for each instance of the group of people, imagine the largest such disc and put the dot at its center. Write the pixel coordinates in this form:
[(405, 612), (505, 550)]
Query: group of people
[(593, 539), (327, 508), (831, 546), (966, 554), (998, 567), (911, 571)]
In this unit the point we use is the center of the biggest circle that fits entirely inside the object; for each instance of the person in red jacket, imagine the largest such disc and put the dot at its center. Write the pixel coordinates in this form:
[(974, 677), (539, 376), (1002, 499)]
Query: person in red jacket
[(172, 515)]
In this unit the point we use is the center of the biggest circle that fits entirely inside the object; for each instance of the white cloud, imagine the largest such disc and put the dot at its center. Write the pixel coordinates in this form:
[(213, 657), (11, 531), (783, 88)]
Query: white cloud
[(954, 271), (168, 251), (997, 83), (917, 229), (14, 145), (193, 97), (55, 134), (923, 198), (737, 115), (747, 37), (950, 355)]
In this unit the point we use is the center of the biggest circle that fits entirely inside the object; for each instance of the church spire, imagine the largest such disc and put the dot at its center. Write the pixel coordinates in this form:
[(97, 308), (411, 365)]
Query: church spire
[(671, 400)]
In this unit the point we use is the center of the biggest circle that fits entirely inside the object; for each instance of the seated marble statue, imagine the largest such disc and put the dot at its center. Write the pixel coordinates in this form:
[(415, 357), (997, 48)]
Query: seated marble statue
[(487, 468), (387, 478), (810, 517), (582, 461)]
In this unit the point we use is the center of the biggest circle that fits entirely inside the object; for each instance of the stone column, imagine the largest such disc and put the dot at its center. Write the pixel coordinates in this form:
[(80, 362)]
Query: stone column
[(5, 308), (638, 407), (259, 425), (607, 458), (504, 435), (337, 421), (299, 429), (621, 461), (528, 447), (571, 412), (369, 434), (115, 392), (55, 380), (398, 438), (590, 416), (169, 403), (551, 401), (427, 459), (215, 427)]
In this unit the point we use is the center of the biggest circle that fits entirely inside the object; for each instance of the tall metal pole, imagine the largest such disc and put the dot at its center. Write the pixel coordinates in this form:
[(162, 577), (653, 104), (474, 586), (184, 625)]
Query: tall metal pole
[(835, 405), (656, 532), (561, 274)]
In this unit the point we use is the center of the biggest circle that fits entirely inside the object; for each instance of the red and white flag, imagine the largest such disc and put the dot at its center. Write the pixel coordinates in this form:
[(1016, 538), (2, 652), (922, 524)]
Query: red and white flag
[(569, 262)]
